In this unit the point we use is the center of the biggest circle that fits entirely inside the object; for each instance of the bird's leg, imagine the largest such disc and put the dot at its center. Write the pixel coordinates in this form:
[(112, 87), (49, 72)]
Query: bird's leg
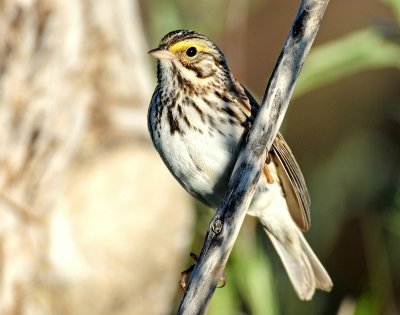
[(266, 172), (185, 273)]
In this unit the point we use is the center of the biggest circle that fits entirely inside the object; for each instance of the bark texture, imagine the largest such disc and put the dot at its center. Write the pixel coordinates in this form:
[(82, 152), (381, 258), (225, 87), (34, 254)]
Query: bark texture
[(79, 213)]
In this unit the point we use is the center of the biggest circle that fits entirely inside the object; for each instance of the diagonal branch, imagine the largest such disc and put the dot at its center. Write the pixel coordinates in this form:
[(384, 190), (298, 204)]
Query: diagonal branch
[(226, 223)]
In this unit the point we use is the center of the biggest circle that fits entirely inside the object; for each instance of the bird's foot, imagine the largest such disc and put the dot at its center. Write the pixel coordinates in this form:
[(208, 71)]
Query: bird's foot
[(185, 274)]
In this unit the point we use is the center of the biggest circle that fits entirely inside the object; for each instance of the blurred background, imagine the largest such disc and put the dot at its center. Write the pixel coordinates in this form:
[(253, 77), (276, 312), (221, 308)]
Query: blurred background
[(91, 222)]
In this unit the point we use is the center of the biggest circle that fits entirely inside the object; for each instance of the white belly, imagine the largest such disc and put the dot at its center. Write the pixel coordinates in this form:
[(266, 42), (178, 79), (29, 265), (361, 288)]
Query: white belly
[(200, 162)]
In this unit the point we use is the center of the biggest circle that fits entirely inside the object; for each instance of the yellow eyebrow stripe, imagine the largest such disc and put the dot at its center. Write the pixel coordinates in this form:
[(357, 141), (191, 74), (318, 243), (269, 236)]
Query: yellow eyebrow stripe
[(182, 46)]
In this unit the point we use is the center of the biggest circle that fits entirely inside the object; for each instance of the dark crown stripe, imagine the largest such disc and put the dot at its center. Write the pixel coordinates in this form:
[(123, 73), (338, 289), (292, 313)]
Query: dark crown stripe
[(180, 35)]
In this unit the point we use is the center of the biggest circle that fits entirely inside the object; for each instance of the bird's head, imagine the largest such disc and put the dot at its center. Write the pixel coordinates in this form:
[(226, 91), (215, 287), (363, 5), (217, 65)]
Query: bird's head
[(189, 56)]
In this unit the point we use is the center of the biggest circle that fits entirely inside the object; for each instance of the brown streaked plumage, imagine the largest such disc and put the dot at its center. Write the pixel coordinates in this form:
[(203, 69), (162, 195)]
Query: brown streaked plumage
[(198, 118)]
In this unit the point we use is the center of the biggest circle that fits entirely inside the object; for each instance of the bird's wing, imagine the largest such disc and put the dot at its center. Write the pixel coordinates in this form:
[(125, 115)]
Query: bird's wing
[(289, 172), (293, 182)]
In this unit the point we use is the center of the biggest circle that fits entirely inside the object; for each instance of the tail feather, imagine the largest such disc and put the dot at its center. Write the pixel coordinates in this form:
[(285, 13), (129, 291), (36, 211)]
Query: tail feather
[(322, 279), (303, 267)]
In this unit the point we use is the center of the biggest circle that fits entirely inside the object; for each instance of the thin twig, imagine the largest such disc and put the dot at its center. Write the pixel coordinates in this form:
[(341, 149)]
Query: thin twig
[(226, 223)]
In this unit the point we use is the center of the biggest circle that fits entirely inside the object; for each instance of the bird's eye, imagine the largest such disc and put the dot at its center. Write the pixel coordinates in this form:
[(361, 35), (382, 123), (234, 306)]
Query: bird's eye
[(191, 51)]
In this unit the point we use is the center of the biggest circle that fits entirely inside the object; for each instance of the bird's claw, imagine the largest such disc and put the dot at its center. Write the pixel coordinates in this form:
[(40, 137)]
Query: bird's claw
[(185, 273)]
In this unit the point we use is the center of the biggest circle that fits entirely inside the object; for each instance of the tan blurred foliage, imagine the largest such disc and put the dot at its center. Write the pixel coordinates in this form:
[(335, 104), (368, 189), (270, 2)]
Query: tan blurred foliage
[(87, 222)]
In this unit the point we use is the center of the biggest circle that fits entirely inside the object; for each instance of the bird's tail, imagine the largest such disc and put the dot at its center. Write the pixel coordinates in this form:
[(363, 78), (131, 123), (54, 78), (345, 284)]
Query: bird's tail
[(304, 269)]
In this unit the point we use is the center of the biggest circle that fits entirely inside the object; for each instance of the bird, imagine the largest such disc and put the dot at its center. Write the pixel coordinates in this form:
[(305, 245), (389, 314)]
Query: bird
[(198, 118)]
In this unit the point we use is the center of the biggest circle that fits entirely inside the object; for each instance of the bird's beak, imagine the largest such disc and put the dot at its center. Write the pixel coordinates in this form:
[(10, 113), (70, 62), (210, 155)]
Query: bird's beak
[(161, 53)]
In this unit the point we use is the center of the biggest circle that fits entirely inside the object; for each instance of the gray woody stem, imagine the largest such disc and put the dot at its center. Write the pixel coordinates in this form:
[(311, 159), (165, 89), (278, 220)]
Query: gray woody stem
[(226, 223)]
